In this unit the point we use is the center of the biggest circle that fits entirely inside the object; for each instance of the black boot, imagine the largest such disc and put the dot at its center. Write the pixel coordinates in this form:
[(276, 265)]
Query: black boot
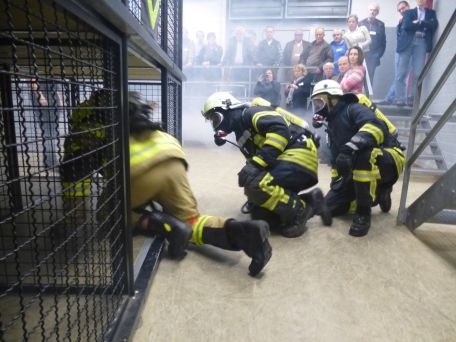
[(175, 231), (297, 227), (252, 238), (384, 198), (360, 225), (316, 201)]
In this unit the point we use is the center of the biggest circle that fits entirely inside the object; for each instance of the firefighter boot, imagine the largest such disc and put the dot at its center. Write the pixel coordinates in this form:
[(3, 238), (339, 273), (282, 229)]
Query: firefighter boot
[(249, 236), (297, 227), (317, 202), (252, 237), (175, 231), (360, 225), (384, 199)]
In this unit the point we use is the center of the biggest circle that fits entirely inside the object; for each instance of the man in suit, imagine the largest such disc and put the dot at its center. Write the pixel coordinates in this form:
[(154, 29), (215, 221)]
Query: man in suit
[(414, 41), (376, 30), (239, 53), (269, 49), (293, 50)]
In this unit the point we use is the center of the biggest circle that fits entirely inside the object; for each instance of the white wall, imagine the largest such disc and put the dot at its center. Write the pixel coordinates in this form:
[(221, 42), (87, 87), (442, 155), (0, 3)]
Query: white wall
[(205, 15)]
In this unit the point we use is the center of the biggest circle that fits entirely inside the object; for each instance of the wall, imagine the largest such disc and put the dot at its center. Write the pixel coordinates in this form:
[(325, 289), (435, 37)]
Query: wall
[(447, 135), (205, 15)]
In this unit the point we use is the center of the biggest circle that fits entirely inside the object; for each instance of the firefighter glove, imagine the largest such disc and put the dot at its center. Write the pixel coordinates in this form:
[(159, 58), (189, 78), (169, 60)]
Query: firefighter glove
[(248, 173), (344, 161)]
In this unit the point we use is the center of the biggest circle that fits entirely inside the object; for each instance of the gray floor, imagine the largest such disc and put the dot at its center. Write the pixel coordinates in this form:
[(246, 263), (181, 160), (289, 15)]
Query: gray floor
[(391, 285)]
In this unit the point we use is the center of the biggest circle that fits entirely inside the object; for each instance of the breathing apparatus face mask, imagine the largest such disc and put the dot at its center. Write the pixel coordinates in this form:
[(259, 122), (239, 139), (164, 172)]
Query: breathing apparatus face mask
[(320, 106), (216, 119)]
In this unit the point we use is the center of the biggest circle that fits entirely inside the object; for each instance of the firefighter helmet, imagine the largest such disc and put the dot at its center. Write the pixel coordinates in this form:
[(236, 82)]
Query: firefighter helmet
[(330, 87), (220, 100)]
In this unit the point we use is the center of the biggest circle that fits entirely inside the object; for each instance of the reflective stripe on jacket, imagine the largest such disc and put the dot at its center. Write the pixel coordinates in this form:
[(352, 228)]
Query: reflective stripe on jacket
[(150, 148)]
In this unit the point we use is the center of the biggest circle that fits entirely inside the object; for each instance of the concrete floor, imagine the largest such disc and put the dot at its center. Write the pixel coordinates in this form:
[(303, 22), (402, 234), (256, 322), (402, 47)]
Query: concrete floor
[(391, 285)]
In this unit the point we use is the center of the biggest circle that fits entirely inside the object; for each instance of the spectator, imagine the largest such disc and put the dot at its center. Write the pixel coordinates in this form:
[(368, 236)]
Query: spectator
[(239, 53), (357, 35), (188, 55), (46, 101), (188, 50), (269, 49), (376, 30), (414, 41), (210, 56), (402, 6), (199, 42), (268, 88), (328, 72), (339, 48), (343, 67), (293, 50), (317, 54), (298, 91), (353, 80)]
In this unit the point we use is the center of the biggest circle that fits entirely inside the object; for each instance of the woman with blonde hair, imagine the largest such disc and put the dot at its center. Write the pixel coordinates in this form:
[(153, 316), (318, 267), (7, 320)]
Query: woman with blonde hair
[(357, 35), (298, 91)]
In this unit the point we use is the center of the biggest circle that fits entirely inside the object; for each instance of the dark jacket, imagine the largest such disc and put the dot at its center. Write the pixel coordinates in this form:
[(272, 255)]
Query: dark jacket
[(212, 54), (247, 52), (300, 94), (267, 137), (268, 55), (378, 37), (349, 119), (286, 57), (320, 53), (408, 30), (269, 91)]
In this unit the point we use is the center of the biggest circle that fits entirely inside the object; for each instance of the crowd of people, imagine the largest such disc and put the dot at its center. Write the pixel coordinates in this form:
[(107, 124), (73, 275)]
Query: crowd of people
[(362, 41)]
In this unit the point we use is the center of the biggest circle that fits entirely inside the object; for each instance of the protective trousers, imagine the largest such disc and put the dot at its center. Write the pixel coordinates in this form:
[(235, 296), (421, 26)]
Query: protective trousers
[(373, 170), (277, 190), (167, 184)]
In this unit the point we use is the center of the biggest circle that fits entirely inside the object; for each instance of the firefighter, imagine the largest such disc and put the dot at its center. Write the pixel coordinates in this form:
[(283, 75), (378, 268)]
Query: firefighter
[(158, 174), (82, 156), (281, 161), (366, 157)]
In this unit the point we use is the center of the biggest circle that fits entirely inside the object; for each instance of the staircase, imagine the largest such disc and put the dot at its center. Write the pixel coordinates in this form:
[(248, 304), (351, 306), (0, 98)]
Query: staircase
[(432, 160)]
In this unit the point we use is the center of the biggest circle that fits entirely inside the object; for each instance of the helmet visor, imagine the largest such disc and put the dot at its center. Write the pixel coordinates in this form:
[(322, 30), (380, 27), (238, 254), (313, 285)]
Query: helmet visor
[(318, 104), (215, 118)]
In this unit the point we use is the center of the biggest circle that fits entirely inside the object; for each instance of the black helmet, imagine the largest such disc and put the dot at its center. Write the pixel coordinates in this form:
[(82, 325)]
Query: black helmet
[(140, 113)]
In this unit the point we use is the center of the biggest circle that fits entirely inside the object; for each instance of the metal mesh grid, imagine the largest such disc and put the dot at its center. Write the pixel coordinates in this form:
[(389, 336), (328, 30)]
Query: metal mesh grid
[(152, 92), (140, 11), (167, 32), (173, 124), (62, 248), (172, 30)]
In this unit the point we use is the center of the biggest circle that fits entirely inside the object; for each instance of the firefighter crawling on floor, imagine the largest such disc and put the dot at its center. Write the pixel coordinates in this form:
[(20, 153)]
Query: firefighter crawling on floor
[(158, 174), (281, 161), (367, 158)]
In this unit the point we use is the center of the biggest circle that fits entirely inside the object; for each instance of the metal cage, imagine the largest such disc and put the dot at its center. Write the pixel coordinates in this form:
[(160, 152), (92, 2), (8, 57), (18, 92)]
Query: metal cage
[(63, 249)]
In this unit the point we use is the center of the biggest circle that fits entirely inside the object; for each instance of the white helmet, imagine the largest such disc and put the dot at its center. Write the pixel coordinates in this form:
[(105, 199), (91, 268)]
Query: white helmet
[(330, 87), (222, 100)]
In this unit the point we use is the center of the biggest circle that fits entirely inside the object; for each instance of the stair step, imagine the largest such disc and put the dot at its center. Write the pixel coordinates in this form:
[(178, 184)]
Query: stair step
[(428, 171)]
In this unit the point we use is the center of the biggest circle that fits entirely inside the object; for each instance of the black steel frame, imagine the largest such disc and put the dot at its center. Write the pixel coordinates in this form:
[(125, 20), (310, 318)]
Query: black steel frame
[(80, 282)]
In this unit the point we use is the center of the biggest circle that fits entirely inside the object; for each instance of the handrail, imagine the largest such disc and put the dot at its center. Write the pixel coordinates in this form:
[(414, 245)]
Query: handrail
[(419, 112)]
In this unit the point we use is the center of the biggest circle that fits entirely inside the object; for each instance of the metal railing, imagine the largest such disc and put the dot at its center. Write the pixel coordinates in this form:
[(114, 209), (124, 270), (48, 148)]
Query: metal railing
[(430, 203)]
